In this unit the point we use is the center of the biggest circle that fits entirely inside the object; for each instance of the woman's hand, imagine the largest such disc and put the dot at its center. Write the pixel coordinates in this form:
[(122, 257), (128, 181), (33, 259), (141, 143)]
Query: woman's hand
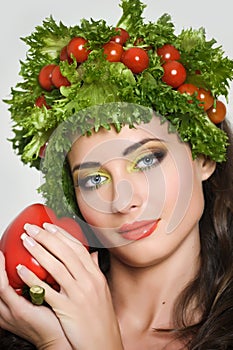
[(84, 304), (37, 324)]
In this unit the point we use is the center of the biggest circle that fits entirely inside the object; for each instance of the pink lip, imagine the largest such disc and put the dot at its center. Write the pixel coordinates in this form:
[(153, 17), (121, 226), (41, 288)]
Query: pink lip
[(138, 230)]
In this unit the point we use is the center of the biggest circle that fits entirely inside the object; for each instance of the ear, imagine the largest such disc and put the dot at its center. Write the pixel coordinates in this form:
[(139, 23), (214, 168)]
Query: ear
[(206, 166)]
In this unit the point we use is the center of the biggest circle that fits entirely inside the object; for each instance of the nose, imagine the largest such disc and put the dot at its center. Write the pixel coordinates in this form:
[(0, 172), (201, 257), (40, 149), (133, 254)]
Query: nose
[(126, 197)]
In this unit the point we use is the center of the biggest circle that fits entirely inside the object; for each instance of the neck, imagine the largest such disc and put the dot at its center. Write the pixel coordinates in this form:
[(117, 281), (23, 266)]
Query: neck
[(146, 295)]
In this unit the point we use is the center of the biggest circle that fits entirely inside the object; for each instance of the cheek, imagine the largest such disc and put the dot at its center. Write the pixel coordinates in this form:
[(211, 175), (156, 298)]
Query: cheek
[(184, 197), (84, 208), (95, 206), (174, 191), (93, 203), (156, 193), (100, 223), (169, 192)]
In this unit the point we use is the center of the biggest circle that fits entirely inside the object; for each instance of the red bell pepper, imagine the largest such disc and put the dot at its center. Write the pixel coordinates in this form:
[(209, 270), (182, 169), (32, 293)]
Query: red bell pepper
[(15, 253)]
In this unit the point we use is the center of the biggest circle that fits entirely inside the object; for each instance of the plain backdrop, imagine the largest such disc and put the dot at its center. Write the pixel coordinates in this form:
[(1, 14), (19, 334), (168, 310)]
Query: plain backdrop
[(18, 182)]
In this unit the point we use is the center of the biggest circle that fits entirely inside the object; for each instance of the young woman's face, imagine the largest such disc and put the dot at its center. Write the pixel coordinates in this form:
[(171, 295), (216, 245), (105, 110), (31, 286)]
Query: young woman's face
[(138, 188)]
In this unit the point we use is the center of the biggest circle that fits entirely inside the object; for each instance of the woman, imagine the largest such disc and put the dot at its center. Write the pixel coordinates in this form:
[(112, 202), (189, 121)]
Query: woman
[(151, 197)]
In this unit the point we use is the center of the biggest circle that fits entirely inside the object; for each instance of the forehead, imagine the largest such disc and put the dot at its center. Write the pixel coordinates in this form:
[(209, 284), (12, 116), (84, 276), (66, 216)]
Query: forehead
[(107, 144)]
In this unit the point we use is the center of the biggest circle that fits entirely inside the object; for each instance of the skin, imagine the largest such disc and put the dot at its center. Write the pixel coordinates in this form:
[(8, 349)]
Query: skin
[(141, 288)]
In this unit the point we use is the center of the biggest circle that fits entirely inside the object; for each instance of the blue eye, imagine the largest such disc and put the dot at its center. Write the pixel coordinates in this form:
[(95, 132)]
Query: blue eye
[(92, 182), (149, 160)]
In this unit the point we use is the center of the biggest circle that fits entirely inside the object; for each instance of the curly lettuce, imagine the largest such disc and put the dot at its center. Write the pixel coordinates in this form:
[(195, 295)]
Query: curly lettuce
[(97, 81)]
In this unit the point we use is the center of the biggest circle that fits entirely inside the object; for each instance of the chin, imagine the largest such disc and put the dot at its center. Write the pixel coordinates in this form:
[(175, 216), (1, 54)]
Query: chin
[(136, 254)]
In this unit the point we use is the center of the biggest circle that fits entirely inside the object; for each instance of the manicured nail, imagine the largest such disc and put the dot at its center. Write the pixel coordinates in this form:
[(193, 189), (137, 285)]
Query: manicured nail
[(32, 230), (29, 241), (50, 227), (19, 267), (21, 270)]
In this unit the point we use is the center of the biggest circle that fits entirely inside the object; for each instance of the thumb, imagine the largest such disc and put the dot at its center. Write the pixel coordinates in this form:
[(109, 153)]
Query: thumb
[(94, 257)]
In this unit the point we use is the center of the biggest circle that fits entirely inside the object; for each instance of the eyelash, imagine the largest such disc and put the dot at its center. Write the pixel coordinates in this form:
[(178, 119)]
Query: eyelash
[(156, 157), (82, 182)]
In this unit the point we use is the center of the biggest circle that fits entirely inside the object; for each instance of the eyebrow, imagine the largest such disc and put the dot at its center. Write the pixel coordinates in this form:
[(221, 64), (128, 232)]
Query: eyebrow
[(126, 152), (86, 165), (137, 145)]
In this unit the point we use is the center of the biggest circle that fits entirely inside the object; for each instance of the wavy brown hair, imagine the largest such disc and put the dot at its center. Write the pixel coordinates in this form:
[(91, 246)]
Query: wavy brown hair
[(212, 290), (213, 285)]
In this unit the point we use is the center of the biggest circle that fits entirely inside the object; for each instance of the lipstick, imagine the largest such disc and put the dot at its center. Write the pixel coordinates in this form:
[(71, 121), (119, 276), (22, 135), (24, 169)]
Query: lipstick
[(138, 229)]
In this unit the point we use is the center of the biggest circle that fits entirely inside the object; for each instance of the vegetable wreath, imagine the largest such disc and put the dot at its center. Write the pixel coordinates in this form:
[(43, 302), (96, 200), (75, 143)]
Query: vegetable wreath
[(183, 77)]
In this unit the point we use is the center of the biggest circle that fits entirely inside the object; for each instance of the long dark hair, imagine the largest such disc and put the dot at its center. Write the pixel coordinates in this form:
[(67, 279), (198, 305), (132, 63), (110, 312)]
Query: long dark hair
[(212, 289), (213, 285), (11, 341)]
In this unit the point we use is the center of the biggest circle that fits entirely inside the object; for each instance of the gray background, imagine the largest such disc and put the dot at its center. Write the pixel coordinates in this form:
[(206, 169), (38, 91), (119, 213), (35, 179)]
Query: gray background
[(18, 182)]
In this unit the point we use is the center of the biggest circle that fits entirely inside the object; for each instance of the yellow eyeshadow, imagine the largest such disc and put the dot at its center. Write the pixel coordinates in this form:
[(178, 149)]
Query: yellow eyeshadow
[(143, 152), (80, 176)]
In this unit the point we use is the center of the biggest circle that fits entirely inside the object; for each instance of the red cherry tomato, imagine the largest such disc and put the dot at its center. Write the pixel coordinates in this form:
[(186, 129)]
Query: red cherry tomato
[(168, 53), (206, 98), (189, 89), (58, 79), (174, 73), (76, 46), (64, 55), (122, 37), (113, 51), (42, 150), (45, 77), (217, 112), (41, 101), (135, 59)]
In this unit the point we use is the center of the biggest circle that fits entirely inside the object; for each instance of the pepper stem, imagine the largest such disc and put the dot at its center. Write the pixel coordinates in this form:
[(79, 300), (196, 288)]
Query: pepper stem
[(37, 295)]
